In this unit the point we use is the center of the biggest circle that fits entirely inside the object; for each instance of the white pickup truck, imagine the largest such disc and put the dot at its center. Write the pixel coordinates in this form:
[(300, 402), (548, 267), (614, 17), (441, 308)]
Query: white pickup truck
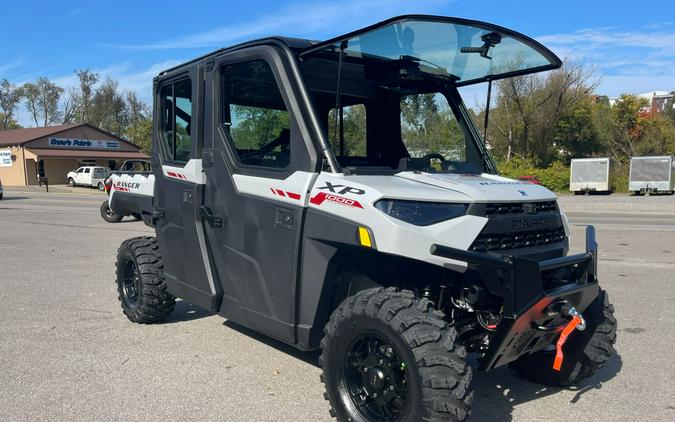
[(93, 176), (130, 189)]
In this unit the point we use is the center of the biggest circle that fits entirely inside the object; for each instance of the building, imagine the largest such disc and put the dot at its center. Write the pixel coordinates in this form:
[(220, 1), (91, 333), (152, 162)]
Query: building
[(659, 101), (51, 152)]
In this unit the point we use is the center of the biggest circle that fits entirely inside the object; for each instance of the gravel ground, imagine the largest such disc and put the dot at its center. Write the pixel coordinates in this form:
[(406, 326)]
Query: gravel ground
[(68, 353)]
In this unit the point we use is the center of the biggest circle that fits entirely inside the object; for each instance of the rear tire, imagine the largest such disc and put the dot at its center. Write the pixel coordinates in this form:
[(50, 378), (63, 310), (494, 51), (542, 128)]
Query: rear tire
[(585, 351), (71, 182), (389, 356), (109, 215), (140, 281)]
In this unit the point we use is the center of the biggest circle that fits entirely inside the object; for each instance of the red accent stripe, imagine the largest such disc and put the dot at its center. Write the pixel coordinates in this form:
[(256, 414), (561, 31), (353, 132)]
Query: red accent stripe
[(285, 194)]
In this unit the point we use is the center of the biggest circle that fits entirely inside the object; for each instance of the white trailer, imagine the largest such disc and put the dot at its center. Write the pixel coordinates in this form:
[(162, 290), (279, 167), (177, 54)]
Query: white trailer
[(652, 174), (590, 175)]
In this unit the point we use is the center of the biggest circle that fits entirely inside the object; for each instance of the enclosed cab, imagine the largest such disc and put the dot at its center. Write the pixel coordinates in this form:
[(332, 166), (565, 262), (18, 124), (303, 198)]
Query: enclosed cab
[(337, 196)]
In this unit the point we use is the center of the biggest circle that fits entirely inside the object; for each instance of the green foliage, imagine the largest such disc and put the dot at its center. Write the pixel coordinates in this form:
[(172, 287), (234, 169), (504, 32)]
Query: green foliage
[(555, 176), (254, 127), (428, 125), (354, 130)]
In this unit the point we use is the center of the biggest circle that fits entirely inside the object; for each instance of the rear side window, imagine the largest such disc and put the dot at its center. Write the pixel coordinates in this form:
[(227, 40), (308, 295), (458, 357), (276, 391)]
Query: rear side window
[(255, 117), (176, 120)]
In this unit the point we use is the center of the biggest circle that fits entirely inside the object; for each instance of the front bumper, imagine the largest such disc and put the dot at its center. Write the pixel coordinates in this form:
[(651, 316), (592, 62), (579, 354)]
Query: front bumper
[(530, 290)]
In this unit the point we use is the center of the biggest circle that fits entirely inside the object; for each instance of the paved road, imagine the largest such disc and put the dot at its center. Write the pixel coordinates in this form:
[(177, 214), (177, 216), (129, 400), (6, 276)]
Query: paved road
[(68, 353)]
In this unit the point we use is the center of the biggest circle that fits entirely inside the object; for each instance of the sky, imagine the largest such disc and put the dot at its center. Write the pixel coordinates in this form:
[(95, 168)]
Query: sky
[(630, 45)]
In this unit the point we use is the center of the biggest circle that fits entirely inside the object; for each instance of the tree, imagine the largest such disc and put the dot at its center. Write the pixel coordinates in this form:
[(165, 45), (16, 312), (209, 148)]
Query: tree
[(108, 108), (9, 124), (10, 97), (139, 127), (428, 125), (528, 109), (84, 96), (69, 106), (42, 101), (575, 133), (625, 127)]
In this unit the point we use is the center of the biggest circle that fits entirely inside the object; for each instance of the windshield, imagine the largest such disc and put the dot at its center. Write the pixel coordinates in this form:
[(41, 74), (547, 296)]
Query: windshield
[(388, 97), (464, 51), (386, 125)]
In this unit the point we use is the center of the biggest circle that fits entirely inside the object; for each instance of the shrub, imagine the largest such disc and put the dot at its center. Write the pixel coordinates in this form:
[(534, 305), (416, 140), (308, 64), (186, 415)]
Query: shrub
[(555, 177)]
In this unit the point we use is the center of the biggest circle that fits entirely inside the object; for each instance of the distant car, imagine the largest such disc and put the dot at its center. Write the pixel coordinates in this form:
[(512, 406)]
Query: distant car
[(0, 189), (529, 179), (93, 176)]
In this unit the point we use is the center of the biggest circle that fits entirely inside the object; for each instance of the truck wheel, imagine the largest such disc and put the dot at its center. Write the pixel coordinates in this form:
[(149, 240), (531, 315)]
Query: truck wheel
[(137, 216), (100, 186), (71, 182), (585, 352), (389, 356), (140, 281), (108, 214)]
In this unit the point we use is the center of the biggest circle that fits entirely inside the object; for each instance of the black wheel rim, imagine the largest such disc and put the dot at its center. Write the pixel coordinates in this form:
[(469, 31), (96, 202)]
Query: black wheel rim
[(376, 378), (131, 284)]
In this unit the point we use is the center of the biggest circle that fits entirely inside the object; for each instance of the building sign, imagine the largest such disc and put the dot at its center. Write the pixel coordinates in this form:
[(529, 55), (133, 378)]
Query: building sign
[(83, 143), (5, 157)]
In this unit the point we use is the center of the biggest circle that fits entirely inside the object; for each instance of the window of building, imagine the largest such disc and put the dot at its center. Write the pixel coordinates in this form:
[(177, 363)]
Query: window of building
[(255, 117), (176, 115)]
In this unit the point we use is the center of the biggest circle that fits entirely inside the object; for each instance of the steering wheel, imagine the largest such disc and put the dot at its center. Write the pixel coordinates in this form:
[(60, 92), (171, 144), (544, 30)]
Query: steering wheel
[(433, 155)]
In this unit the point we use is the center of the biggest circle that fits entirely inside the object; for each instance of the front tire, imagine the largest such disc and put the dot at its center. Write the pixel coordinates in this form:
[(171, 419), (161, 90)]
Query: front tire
[(71, 182), (140, 281), (585, 352), (389, 356), (109, 215)]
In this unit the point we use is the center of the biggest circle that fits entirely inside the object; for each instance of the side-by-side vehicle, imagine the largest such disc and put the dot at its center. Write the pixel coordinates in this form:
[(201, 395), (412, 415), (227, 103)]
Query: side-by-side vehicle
[(338, 196)]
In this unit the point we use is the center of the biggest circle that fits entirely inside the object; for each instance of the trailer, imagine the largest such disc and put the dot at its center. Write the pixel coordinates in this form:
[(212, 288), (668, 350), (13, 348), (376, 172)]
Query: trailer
[(590, 175), (652, 174)]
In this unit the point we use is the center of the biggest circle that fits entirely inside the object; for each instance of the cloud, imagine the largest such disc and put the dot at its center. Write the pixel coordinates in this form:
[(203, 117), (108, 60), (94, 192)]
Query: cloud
[(11, 65), (627, 61), (296, 20)]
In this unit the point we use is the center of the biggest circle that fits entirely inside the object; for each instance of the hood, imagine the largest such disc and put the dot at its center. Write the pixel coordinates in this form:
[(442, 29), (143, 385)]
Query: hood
[(484, 187)]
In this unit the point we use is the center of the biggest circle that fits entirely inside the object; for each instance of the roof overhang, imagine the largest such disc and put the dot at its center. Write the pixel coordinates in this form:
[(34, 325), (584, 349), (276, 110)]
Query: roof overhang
[(69, 153)]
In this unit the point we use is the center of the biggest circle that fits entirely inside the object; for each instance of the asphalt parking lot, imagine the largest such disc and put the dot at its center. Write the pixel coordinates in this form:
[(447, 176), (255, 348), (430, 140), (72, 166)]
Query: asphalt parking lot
[(68, 353)]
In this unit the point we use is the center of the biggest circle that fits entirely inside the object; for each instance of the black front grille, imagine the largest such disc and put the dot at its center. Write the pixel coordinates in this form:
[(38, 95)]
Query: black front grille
[(519, 208), (486, 242)]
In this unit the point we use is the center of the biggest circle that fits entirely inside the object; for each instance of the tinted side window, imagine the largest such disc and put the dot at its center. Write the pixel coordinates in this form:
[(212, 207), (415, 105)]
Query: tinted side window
[(255, 115), (176, 120)]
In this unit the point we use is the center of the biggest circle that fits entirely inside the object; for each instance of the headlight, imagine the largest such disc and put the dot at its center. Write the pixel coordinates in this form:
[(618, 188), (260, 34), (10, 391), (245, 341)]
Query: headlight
[(420, 213)]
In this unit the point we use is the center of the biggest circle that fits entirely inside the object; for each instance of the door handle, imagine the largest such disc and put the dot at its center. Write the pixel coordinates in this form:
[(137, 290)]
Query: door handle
[(207, 215)]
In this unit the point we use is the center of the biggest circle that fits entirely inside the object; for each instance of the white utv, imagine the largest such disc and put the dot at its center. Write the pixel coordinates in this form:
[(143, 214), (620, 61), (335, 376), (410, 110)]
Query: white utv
[(337, 195)]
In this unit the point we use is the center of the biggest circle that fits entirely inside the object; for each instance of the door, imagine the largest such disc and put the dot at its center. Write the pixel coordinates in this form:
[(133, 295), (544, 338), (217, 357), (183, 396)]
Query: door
[(79, 176), (179, 189), (259, 168), (86, 176)]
